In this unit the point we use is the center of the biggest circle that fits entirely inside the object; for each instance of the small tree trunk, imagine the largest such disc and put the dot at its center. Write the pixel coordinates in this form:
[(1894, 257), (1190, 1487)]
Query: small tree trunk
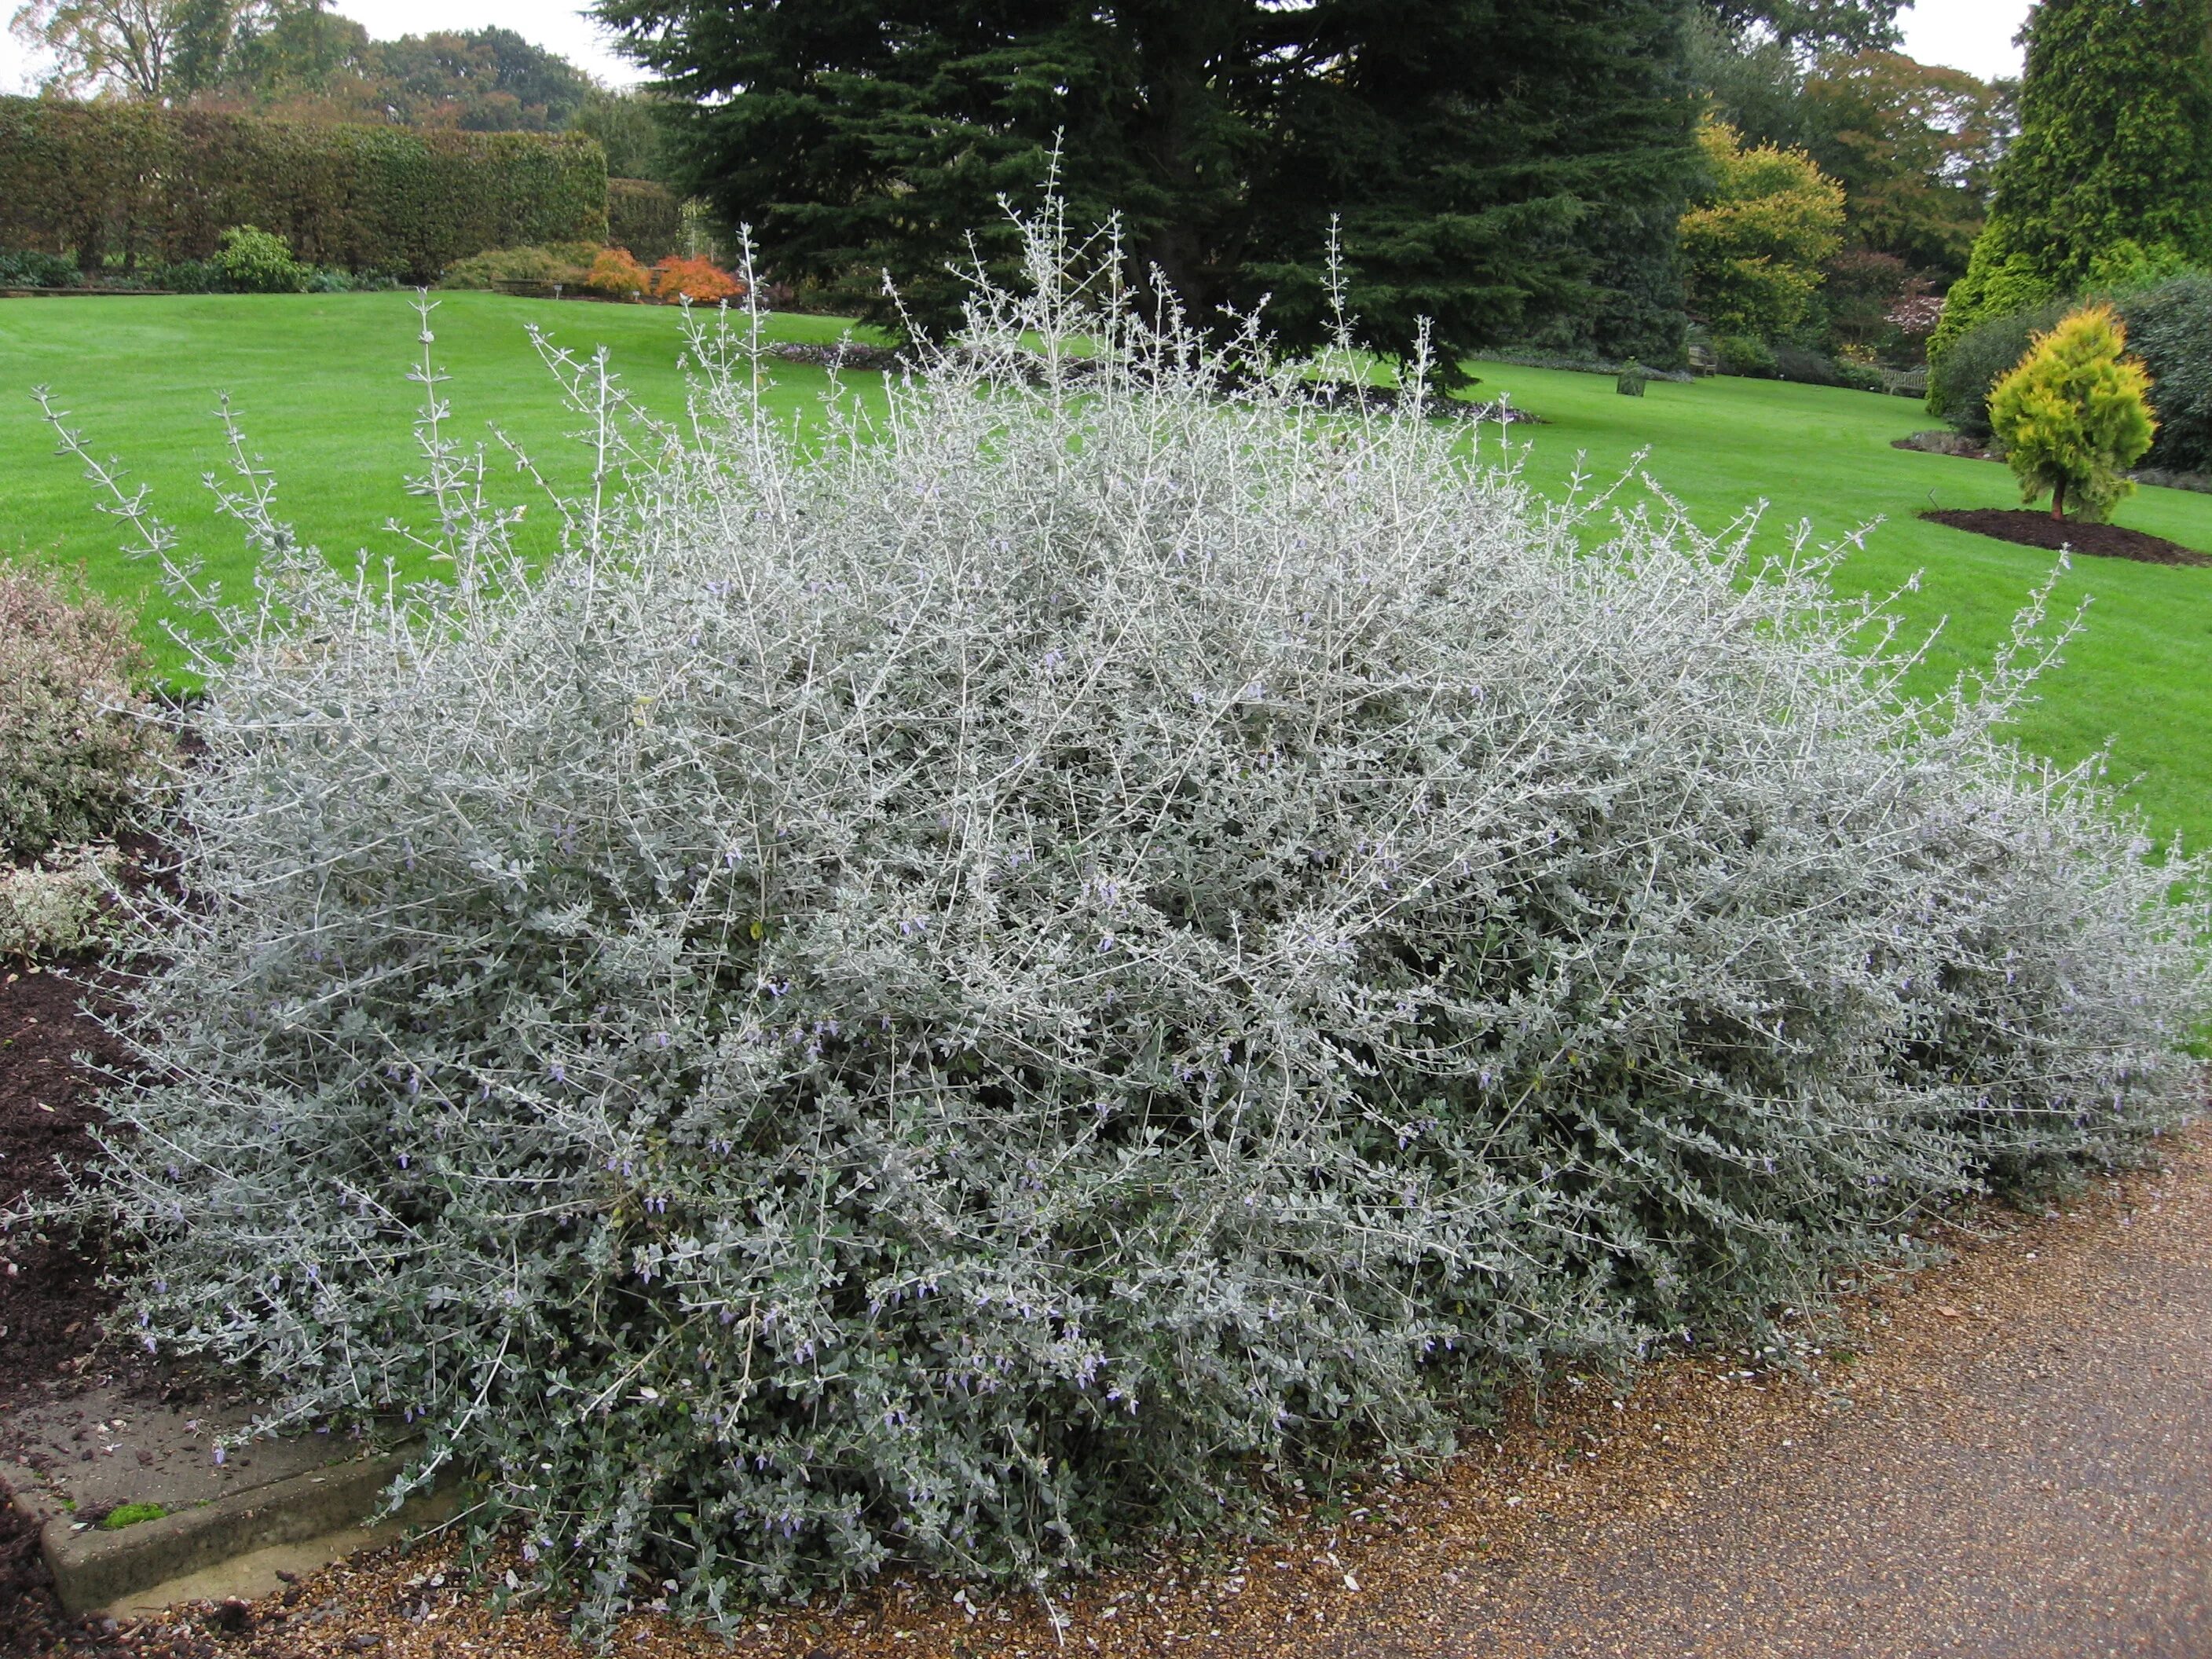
[(2058, 500)]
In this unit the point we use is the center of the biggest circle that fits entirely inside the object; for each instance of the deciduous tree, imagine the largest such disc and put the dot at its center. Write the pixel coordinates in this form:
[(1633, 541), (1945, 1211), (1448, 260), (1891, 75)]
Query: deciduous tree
[(129, 46), (1803, 25), (168, 50), (1755, 244), (1914, 147)]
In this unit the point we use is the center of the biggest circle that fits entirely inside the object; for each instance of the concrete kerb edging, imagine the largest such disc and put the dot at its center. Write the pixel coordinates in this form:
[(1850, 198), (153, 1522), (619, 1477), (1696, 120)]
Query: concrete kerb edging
[(93, 1569)]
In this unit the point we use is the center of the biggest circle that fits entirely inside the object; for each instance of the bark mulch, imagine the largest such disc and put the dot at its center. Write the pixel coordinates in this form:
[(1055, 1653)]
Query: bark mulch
[(53, 1293), (2032, 529), (51, 1299)]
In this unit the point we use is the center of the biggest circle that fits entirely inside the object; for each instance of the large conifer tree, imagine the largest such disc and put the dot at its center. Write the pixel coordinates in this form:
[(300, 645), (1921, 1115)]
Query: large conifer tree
[(1465, 145), (2111, 175)]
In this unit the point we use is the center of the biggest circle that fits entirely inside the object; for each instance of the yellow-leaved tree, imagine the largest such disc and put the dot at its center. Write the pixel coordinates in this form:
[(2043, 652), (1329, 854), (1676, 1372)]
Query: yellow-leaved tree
[(1753, 247), (2074, 414)]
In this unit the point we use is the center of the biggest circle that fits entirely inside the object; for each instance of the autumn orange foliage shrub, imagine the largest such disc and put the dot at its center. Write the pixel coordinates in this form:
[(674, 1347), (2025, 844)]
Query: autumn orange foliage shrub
[(696, 280), (615, 272)]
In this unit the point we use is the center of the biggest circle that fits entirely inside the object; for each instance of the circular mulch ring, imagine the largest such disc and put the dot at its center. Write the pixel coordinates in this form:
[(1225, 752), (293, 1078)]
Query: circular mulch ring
[(2032, 529)]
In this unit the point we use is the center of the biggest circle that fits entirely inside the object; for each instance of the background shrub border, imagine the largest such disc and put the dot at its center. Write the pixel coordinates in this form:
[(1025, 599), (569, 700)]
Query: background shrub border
[(646, 218), (2169, 327), (164, 184)]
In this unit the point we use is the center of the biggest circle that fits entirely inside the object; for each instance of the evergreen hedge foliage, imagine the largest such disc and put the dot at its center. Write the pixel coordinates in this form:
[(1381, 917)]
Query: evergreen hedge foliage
[(2170, 328), (644, 217), (955, 980), (1959, 381), (165, 185)]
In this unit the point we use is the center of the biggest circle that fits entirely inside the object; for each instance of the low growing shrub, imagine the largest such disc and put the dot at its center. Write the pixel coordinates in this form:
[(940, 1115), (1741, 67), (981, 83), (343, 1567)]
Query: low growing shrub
[(1030, 961), (28, 267), (182, 276), (252, 261), (58, 907), (325, 280), (2170, 328), (78, 745), (1807, 367), (615, 273), (566, 262), (1746, 354), (1857, 368), (699, 281), (1959, 379)]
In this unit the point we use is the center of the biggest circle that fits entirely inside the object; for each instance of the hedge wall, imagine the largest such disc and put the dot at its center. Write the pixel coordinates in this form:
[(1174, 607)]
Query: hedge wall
[(95, 179), (644, 217)]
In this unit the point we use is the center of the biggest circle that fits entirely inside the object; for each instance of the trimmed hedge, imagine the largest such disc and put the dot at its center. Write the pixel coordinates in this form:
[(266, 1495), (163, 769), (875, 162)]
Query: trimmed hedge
[(165, 185), (568, 264), (644, 217)]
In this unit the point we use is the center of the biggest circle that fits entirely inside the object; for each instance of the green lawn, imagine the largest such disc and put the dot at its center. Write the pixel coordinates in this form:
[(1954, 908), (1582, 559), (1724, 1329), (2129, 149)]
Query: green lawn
[(2140, 677), (319, 382)]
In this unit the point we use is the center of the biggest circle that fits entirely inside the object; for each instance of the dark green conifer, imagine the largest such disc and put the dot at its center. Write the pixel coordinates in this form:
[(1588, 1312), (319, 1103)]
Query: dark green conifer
[(2111, 179), (1467, 147)]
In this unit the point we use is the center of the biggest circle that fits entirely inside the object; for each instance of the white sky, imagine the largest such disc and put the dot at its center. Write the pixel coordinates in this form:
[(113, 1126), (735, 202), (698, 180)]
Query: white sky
[(1975, 35), (550, 23)]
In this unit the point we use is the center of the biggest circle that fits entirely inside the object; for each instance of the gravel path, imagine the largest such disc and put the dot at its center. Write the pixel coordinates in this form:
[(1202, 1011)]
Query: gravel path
[(2028, 1472), (2008, 1456)]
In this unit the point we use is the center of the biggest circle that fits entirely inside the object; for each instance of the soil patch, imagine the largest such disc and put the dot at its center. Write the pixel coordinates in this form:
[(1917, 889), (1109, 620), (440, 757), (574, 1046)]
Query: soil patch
[(2032, 529), (53, 1294), (52, 1298)]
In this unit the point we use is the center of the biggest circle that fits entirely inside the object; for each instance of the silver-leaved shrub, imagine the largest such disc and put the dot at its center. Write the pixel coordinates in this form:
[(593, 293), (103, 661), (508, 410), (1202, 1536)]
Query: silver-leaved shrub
[(1033, 955)]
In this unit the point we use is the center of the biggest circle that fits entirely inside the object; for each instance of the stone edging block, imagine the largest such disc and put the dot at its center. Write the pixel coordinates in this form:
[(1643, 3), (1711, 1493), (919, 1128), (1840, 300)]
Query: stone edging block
[(93, 1569)]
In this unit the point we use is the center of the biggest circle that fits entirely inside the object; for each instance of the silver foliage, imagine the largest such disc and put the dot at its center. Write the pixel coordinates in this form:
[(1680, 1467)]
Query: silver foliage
[(977, 970)]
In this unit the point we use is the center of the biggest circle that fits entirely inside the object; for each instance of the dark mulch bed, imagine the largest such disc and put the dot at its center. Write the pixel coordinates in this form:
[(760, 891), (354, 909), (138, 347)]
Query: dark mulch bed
[(2032, 529), (53, 1294), (51, 1299)]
